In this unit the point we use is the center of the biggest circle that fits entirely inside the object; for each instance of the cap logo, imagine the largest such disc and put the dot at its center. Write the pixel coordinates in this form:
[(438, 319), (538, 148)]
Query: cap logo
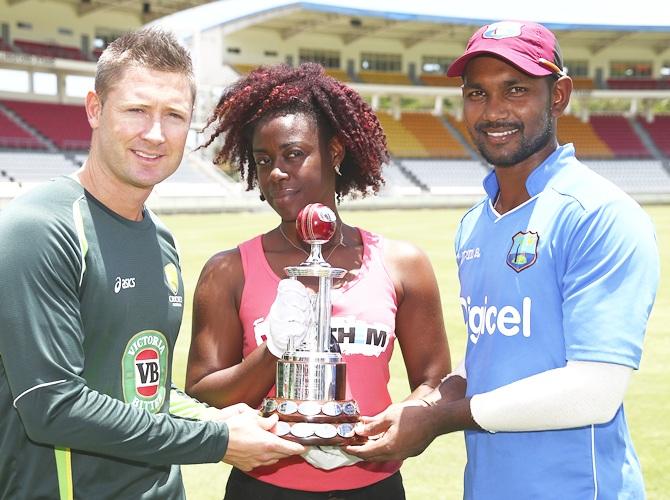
[(505, 29)]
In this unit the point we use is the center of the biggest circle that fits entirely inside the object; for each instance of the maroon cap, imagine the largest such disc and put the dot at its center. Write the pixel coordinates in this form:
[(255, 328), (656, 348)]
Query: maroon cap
[(530, 47)]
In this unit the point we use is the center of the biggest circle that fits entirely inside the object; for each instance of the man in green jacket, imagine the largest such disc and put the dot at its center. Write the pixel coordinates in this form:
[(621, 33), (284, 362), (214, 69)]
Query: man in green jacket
[(91, 303)]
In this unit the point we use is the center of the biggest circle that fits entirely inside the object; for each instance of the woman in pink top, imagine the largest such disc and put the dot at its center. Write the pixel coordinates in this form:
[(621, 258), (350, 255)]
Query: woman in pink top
[(303, 137)]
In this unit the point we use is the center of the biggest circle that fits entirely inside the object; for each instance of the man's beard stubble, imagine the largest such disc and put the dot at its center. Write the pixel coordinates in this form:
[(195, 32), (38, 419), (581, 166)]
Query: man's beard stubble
[(527, 147)]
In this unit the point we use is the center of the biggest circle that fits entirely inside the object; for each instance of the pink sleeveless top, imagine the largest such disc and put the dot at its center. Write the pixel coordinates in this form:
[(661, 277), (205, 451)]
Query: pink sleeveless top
[(363, 320)]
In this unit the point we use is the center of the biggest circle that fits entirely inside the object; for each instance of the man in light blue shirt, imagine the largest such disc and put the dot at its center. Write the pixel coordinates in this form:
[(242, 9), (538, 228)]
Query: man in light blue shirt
[(558, 270)]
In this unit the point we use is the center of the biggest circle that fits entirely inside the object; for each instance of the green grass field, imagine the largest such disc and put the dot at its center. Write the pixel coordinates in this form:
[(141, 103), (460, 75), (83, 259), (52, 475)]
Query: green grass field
[(437, 473)]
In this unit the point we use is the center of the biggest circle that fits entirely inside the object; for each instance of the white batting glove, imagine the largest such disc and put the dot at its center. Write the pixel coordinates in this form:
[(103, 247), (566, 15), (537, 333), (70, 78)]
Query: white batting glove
[(328, 457), (289, 317)]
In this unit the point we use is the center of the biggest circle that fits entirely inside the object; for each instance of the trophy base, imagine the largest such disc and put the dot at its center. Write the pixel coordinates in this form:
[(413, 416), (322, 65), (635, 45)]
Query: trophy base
[(315, 423)]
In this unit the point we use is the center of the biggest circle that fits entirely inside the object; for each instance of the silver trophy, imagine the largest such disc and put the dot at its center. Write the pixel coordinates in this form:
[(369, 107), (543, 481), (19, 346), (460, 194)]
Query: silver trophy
[(311, 377)]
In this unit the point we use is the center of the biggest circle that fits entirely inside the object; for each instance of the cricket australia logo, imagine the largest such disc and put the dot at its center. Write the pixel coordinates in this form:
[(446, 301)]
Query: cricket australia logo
[(172, 282), (144, 370), (523, 252)]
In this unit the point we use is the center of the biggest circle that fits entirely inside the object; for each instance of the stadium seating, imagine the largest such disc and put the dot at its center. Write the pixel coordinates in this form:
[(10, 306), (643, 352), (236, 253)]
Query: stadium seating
[(434, 136), (49, 50), (459, 125), (401, 141), (12, 136), (582, 83), (64, 124), (638, 83), (659, 131), (26, 167), (436, 80), (5, 47), (338, 74), (587, 142), (449, 177), (396, 182), (634, 177), (620, 136), (384, 78), (244, 69)]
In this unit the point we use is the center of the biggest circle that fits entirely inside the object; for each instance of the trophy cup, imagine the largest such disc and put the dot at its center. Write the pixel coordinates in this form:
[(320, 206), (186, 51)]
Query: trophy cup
[(311, 378)]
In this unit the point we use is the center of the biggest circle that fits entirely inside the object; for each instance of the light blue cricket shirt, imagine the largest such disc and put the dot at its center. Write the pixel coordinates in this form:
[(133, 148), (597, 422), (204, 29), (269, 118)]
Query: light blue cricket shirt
[(571, 274)]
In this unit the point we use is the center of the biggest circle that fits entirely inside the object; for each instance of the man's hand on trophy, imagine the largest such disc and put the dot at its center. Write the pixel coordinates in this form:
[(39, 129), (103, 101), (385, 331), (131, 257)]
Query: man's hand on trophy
[(289, 317), (402, 430), (329, 457), (251, 444)]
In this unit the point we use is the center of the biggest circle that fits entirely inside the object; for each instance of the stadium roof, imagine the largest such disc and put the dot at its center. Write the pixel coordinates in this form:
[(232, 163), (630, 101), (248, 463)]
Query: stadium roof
[(146, 10), (576, 22)]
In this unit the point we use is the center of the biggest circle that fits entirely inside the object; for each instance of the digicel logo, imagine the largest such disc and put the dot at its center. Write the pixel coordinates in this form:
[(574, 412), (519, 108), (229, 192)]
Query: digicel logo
[(147, 372), (486, 318)]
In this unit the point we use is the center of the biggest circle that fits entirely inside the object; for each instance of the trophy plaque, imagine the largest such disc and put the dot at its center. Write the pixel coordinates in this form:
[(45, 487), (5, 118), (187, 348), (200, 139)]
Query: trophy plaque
[(311, 377)]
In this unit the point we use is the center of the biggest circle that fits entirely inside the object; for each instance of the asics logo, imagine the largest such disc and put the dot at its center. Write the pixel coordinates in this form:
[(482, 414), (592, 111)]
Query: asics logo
[(123, 283), (485, 318)]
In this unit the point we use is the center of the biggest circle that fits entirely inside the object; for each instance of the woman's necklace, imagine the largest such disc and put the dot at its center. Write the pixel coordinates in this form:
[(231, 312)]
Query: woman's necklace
[(339, 243)]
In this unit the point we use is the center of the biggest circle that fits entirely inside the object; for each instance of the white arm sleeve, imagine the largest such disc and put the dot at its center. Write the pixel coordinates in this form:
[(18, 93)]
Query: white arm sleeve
[(581, 393)]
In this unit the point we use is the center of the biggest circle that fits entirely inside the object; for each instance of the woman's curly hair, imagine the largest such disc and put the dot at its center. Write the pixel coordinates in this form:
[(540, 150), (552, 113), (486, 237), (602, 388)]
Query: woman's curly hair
[(281, 89)]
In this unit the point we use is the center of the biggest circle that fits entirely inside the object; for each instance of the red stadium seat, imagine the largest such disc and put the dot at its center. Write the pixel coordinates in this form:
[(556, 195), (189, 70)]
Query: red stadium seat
[(64, 124), (5, 47), (620, 136), (49, 50), (659, 131), (634, 83), (14, 137)]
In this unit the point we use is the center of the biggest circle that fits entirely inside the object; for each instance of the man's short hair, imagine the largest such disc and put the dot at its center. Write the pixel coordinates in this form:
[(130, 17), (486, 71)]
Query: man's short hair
[(151, 48)]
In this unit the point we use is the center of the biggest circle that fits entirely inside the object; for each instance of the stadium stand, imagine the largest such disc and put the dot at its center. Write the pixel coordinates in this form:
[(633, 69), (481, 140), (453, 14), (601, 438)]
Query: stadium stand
[(63, 124), (659, 131), (338, 74), (243, 69), (638, 84), (587, 142), (583, 83), (34, 167), (49, 50), (397, 182), (448, 177), (12, 136), (384, 78), (620, 136), (634, 177), (5, 47), (459, 125), (434, 80), (432, 154), (402, 142), (435, 138)]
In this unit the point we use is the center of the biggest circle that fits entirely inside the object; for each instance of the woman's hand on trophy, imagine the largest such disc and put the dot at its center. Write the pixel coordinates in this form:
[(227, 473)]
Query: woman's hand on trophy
[(289, 317), (251, 443)]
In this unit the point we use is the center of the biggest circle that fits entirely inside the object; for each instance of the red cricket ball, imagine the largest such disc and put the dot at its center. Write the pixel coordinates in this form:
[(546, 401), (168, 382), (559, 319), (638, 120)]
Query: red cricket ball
[(316, 223)]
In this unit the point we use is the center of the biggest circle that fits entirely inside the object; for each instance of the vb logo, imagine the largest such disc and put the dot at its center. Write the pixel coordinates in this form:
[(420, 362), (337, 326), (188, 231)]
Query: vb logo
[(145, 367), (147, 372)]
